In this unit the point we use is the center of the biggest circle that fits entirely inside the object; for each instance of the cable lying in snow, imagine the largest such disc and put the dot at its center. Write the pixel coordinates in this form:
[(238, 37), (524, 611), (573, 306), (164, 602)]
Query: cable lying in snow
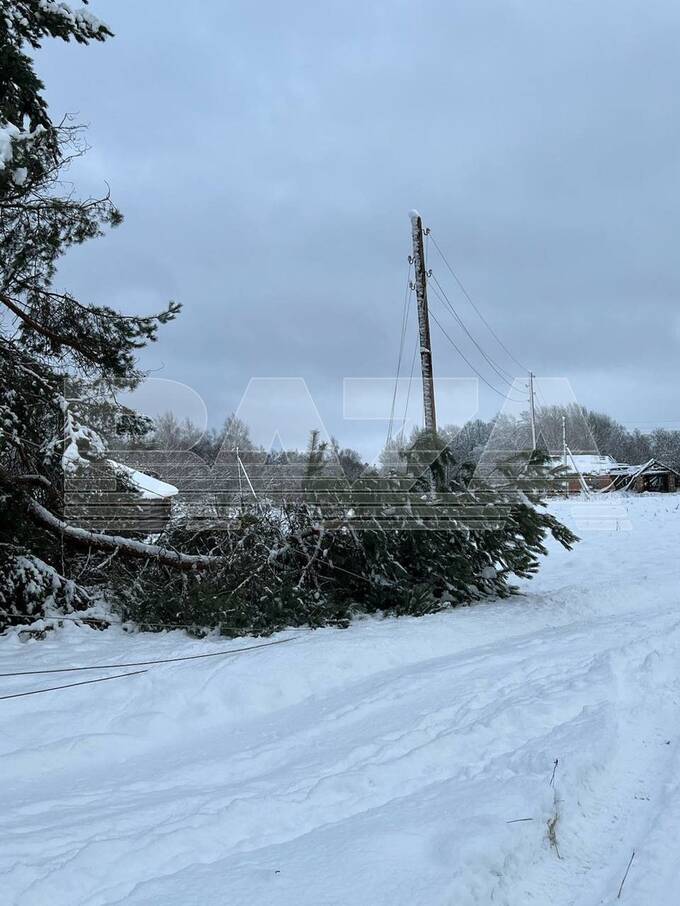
[(102, 679), (166, 660)]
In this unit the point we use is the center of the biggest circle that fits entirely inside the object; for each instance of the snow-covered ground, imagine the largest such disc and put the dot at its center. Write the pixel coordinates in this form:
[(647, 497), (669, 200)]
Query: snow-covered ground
[(389, 763)]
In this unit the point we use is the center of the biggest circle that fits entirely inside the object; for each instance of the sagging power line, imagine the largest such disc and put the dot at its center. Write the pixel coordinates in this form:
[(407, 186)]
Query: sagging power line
[(464, 291)]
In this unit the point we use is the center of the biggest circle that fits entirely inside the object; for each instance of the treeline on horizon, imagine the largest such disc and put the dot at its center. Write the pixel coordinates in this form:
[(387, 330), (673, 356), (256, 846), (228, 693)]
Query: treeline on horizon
[(587, 431)]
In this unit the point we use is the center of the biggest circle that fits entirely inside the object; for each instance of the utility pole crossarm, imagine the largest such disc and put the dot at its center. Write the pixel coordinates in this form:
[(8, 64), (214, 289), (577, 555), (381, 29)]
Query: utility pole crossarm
[(423, 323)]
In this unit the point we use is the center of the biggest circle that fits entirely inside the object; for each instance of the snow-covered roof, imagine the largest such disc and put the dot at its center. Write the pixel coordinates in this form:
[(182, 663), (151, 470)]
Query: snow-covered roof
[(651, 467), (588, 463), (150, 488), (624, 469)]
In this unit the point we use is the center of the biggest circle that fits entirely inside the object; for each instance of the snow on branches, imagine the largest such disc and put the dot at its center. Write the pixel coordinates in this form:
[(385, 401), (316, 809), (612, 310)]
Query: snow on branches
[(78, 438), (30, 587), (33, 20), (49, 337)]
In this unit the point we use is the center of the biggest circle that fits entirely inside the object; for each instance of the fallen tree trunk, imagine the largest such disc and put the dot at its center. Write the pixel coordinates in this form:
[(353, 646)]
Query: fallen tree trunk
[(128, 546), (87, 538)]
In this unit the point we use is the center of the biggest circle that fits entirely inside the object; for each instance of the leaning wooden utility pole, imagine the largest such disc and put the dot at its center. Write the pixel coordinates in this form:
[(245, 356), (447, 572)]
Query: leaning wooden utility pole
[(423, 322)]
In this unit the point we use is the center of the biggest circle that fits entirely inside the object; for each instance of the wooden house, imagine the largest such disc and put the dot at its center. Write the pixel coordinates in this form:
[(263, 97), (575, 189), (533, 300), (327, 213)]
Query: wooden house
[(117, 499)]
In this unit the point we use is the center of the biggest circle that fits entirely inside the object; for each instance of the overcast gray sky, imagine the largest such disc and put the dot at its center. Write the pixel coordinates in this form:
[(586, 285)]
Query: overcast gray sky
[(265, 156)]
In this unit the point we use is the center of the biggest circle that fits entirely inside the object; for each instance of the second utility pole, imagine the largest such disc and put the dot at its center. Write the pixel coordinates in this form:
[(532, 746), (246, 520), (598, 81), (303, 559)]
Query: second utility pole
[(423, 323), (532, 409)]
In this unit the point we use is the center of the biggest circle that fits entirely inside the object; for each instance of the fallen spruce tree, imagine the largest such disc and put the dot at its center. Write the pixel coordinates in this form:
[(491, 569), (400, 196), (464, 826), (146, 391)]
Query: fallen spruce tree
[(382, 545)]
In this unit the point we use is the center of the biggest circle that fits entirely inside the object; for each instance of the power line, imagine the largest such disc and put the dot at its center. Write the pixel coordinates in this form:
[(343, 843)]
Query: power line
[(659, 421), (102, 679), (167, 660), (404, 322), (410, 383), (469, 363), (480, 315), (501, 372), (539, 394)]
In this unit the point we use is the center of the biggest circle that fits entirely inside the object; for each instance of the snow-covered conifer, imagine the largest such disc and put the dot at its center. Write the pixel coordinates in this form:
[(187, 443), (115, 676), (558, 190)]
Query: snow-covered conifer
[(47, 335)]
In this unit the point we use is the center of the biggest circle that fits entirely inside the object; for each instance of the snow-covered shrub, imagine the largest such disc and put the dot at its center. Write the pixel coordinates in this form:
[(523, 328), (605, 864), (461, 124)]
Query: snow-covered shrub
[(29, 587)]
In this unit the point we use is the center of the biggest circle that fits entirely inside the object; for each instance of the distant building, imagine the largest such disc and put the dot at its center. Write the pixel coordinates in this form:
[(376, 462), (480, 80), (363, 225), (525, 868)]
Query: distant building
[(602, 473), (652, 476)]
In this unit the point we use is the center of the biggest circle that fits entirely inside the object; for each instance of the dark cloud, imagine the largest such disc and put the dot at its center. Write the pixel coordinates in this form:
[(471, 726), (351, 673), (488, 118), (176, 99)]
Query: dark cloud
[(266, 155)]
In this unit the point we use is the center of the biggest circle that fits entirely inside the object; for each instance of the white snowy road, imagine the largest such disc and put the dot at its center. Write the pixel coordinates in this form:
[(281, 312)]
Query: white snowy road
[(384, 764)]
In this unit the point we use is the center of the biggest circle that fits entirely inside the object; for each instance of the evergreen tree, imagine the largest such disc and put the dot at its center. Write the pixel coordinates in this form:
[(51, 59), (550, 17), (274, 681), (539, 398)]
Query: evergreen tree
[(47, 336)]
